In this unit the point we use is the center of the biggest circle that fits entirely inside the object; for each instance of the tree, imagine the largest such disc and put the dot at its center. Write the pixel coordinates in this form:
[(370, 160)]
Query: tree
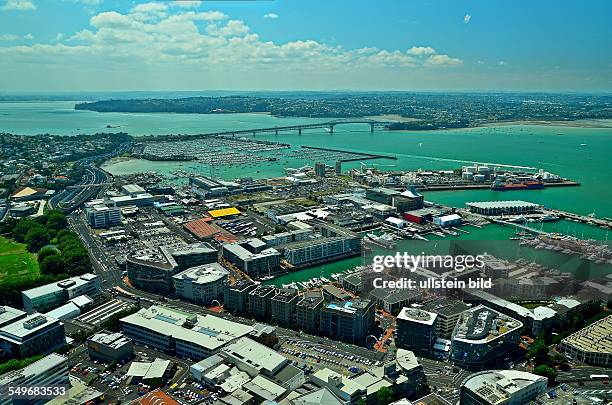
[(52, 265), (56, 221), (546, 371), (22, 227), (36, 238), (48, 250), (385, 396)]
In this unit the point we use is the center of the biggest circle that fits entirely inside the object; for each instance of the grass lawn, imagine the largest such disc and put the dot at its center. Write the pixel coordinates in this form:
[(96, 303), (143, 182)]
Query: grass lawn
[(16, 262)]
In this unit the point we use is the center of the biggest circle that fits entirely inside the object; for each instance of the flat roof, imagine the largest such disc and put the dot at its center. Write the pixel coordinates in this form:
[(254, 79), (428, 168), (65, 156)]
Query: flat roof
[(26, 326), (496, 386), (482, 324), (208, 331), (255, 354), (113, 340), (223, 212), (204, 274), (10, 314), (417, 315), (264, 388)]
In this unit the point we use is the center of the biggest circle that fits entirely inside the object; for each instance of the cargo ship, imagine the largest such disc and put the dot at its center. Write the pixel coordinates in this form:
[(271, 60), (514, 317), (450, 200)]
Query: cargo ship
[(521, 185)]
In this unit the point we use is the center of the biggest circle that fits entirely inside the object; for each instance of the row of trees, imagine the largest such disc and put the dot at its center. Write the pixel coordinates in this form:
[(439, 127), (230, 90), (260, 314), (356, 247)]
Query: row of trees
[(60, 252)]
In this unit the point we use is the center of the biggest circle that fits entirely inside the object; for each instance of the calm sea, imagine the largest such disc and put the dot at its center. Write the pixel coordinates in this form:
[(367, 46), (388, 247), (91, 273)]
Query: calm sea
[(581, 154)]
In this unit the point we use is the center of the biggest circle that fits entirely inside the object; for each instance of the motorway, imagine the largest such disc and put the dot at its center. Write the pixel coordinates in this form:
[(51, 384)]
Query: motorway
[(91, 185)]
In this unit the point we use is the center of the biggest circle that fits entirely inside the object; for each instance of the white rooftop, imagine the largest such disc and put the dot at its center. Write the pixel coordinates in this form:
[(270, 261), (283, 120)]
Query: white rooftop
[(256, 355)]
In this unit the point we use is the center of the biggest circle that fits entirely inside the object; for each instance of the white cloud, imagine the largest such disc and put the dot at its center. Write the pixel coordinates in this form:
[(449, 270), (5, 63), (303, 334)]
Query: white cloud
[(18, 5), (467, 18), (8, 37), (13, 37), (421, 50), (480, 62), (443, 60), (502, 63), (155, 35), (59, 37), (186, 3), (271, 16)]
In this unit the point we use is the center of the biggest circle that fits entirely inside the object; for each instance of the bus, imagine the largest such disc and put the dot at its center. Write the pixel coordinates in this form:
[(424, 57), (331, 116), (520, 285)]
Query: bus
[(599, 377)]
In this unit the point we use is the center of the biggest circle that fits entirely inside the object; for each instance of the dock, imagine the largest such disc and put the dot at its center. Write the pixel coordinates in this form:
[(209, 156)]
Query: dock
[(604, 223), (450, 187)]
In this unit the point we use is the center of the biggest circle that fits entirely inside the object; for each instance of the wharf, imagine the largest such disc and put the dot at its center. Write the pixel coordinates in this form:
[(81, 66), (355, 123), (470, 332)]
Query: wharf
[(605, 223), (447, 187), (362, 155)]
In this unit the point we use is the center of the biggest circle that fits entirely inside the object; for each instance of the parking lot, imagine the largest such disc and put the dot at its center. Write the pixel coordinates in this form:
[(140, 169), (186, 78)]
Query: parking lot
[(312, 356)]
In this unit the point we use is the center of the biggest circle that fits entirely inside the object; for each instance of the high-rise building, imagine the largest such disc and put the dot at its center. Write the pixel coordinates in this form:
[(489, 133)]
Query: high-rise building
[(252, 257), (483, 336), (448, 311), (416, 330), (202, 284), (260, 301), (320, 169), (338, 167), (102, 213), (348, 321), (236, 296), (308, 311), (283, 306), (152, 269)]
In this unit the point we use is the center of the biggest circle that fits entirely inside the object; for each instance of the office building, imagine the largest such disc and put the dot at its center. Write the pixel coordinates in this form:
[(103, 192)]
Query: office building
[(592, 344), (483, 336), (138, 200), (283, 306), (416, 330), (393, 300), (202, 284), (51, 370), (109, 347), (338, 167), (252, 257), (507, 387), (319, 169), (349, 321), (152, 269), (102, 213), (50, 296), (184, 334), (260, 301), (236, 296), (30, 336), (448, 311), (307, 311)]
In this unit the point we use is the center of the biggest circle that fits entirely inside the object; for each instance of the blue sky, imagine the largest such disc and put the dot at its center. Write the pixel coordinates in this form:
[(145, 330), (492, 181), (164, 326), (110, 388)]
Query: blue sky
[(72, 45)]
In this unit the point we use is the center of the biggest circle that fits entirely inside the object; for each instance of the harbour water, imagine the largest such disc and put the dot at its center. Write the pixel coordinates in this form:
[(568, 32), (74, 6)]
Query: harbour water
[(553, 148)]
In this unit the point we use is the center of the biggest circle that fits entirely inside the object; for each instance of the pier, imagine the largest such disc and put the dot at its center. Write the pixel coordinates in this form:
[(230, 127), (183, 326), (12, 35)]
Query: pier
[(362, 155), (585, 219)]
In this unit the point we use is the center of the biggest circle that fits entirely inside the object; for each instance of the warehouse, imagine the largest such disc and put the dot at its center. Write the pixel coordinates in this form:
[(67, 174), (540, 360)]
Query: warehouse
[(502, 207)]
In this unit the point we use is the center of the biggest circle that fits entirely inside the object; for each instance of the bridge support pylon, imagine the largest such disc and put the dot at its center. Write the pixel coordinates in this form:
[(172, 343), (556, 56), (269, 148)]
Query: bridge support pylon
[(300, 131), (331, 129), (371, 127)]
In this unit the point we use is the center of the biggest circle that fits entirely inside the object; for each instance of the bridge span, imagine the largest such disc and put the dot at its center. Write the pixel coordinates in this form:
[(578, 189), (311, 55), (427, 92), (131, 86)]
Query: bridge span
[(329, 125)]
